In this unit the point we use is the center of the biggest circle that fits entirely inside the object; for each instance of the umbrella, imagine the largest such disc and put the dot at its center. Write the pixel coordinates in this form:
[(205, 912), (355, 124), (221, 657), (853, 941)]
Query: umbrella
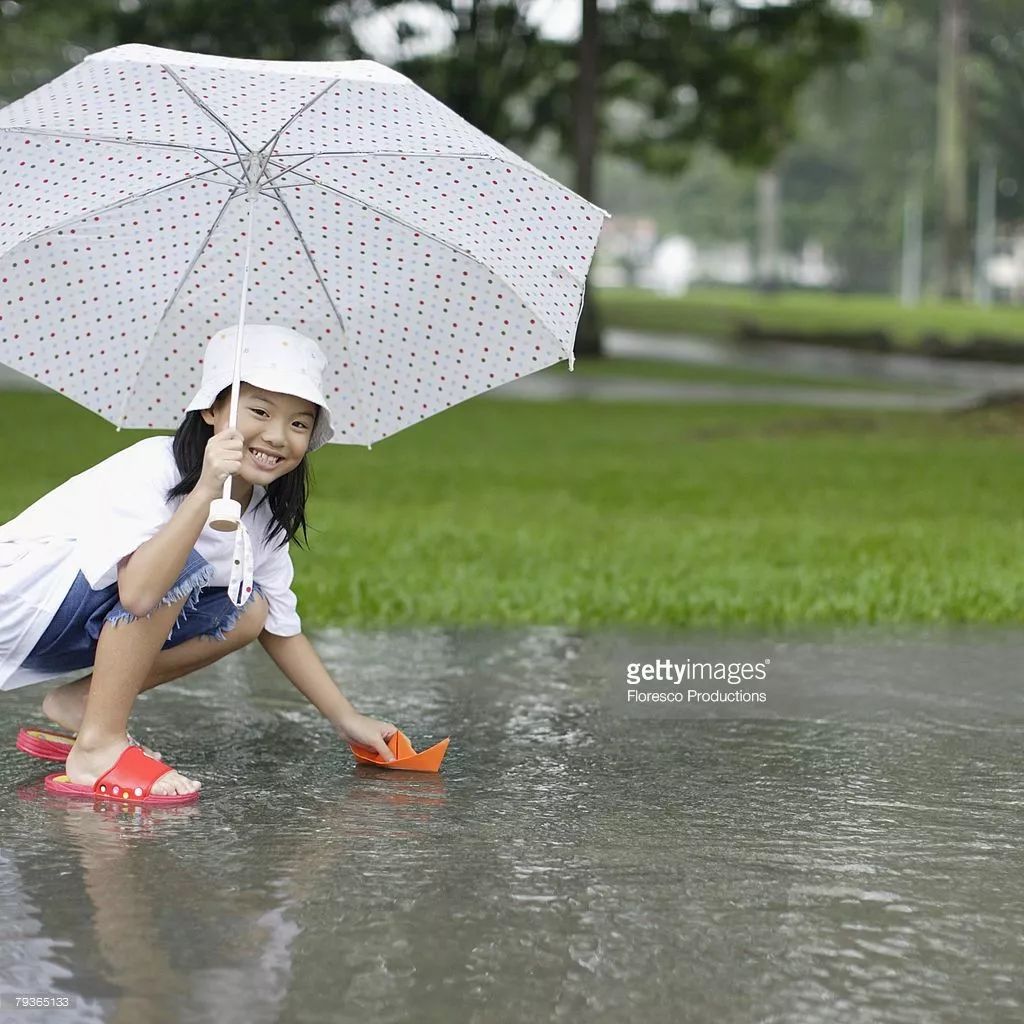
[(150, 197)]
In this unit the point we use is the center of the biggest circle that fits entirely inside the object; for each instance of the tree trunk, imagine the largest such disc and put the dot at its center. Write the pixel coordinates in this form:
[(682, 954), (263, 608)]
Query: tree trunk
[(955, 272), (588, 334), (769, 272)]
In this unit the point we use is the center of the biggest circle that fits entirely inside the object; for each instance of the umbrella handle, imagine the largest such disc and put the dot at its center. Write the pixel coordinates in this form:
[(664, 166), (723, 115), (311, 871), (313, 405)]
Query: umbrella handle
[(225, 512)]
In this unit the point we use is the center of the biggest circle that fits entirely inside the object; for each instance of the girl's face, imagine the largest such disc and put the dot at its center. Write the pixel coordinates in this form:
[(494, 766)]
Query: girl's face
[(272, 424)]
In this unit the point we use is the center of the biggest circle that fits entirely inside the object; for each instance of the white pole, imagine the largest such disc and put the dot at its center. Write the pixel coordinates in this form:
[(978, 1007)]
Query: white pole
[(910, 270), (985, 235), (225, 512)]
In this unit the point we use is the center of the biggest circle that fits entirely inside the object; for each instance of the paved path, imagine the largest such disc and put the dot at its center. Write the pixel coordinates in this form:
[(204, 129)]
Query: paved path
[(11, 381), (969, 382), (562, 384), (816, 361)]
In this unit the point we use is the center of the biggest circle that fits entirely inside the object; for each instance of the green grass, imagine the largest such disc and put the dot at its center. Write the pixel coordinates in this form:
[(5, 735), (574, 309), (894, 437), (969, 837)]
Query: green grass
[(570, 513), (718, 312), (688, 373)]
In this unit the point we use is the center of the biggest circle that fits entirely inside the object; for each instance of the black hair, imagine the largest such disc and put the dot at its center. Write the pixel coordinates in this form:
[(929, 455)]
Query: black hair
[(286, 495)]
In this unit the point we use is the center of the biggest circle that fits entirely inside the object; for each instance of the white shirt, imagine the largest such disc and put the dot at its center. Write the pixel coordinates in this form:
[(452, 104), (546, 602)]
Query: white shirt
[(92, 521)]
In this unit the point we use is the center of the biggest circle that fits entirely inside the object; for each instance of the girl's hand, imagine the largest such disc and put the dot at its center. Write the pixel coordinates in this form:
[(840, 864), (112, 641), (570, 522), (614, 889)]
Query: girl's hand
[(222, 458), (368, 732)]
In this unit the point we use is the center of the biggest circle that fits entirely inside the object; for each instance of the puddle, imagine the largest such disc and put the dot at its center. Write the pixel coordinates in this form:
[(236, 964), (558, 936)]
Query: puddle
[(851, 852)]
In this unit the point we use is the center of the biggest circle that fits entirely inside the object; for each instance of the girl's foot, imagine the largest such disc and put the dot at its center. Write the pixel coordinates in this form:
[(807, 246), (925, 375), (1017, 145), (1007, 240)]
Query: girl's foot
[(86, 764), (66, 706)]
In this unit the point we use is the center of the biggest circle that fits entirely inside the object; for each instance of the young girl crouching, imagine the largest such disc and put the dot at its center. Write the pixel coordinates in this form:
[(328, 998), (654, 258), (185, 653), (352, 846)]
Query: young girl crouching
[(118, 570)]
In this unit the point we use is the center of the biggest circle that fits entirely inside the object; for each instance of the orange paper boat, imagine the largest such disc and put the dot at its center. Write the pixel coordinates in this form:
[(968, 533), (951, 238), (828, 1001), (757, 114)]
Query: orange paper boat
[(406, 758)]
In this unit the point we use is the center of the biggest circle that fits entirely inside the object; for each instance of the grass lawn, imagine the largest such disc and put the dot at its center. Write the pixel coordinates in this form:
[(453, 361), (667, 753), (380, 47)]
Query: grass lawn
[(571, 513), (718, 312)]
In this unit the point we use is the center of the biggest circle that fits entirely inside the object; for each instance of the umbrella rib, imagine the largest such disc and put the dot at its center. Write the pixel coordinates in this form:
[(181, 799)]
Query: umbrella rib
[(427, 234), (383, 213), (395, 152), (269, 147), (224, 168), (330, 300), (120, 202), (238, 155), (270, 181), (58, 135), (202, 106), (177, 291), (528, 169)]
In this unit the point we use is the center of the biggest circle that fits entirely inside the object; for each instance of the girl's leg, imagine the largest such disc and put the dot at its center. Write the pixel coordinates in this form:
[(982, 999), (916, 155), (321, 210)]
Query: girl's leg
[(125, 653), (65, 705), (201, 651)]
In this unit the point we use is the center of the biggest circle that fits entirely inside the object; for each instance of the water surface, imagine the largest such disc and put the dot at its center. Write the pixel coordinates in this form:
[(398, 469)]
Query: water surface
[(857, 859)]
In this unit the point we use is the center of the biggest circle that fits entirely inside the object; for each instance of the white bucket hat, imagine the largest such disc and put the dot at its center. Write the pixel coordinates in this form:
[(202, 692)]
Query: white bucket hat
[(273, 358)]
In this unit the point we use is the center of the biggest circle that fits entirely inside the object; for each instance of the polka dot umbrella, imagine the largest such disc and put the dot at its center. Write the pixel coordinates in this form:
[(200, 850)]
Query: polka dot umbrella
[(150, 197)]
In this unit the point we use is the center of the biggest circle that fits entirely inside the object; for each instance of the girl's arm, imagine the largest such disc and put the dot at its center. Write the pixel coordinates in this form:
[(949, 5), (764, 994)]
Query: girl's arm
[(296, 657), (149, 572)]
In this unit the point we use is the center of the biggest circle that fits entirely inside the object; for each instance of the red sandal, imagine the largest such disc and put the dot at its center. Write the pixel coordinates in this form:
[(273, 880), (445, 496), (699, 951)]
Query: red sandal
[(44, 744), (130, 780), (48, 745)]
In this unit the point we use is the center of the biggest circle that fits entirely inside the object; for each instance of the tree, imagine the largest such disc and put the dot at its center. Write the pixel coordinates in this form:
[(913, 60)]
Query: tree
[(937, 88), (585, 148), (951, 155), (997, 83), (868, 134), (644, 82)]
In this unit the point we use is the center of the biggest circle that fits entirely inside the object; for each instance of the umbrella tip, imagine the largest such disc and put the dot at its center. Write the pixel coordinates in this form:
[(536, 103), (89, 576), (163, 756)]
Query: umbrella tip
[(572, 362)]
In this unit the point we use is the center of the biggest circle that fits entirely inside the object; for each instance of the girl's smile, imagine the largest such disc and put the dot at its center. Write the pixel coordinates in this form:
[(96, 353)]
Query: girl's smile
[(264, 459), (264, 462)]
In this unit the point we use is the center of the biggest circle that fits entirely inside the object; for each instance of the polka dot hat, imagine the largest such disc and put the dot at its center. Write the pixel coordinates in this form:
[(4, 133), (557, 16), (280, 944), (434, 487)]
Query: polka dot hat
[(428, 262)]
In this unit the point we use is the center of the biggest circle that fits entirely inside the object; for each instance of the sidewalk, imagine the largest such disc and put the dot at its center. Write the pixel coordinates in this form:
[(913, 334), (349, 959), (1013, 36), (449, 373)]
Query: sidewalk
[(561, 385), (967, 383), (815, 360), (11, 381)]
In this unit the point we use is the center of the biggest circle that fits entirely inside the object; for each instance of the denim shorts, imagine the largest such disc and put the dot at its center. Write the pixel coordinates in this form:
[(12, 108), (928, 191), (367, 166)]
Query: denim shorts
[(69, 643)]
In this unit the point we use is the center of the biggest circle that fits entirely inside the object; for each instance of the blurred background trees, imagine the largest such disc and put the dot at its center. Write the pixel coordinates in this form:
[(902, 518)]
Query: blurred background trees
[(886, 127), (644, 83), (835, 124)]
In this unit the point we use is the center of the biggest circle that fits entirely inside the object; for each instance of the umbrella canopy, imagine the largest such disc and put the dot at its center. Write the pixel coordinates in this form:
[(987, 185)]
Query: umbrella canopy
[(136, 190)]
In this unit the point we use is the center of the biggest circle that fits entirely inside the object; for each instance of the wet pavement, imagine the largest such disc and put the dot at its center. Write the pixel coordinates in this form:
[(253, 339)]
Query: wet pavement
[(607, 389), (816, 360), (964, 385), (852, 851)]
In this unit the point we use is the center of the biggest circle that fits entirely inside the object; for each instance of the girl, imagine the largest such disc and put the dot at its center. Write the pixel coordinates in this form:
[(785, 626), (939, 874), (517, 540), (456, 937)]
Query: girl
[(117, 568)]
